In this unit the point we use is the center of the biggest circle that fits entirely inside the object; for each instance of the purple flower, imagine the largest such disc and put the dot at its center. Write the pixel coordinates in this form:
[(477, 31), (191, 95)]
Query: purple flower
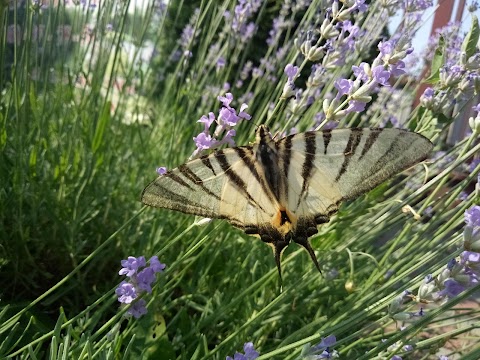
[(380, 75), (322, 350), (330, 125), (141, 281), (220, 63), (476, 108), (359, 5), (471, 256), (162, 170), (386, 47), (187, 36), (131, 265), (156, 265), (204, 141), (226, 100), (329, 341), (242, 114), (428, 93), (355, 106), (250, 353), (344, 86), (396, 357), (291, 71), (126, 292), (228, 138), (207, 121), (227, 116), (359, 71), (398, 68), (452, 288), (472, 216), (138, 308), (145, 279)]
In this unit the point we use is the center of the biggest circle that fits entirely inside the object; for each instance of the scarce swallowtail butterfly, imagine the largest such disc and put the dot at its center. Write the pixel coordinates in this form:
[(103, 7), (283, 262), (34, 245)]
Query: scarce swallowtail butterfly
[(282, 189)]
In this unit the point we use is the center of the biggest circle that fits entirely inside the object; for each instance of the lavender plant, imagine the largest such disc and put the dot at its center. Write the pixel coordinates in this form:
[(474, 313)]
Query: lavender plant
[(96, 98)]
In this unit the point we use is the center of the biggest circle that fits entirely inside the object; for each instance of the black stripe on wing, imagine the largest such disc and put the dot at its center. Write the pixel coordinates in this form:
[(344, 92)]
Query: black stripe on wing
[(234, 177), (372, 138), (206, 161), (246, 154), (310, 152), (286, 156), (327, 136), (177, 179), (189, 174), (352, 144)]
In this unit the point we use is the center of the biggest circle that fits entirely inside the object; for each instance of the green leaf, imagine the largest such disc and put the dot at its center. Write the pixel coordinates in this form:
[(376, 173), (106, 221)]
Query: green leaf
[(102, 124), (442, 119), (437, 62), (470, 42), (3, 133)]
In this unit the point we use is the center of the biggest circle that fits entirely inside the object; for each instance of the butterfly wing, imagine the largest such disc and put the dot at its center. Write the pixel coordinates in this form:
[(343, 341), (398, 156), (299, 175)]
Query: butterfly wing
[(327, 167), (227, 184)]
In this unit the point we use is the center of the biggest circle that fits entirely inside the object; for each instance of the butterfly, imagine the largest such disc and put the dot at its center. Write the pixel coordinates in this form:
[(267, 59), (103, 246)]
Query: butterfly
[(282, 189)]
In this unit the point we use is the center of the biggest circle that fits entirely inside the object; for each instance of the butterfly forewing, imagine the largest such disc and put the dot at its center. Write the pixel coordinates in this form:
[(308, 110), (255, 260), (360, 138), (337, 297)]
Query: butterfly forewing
[(330, 166), (226, 184)]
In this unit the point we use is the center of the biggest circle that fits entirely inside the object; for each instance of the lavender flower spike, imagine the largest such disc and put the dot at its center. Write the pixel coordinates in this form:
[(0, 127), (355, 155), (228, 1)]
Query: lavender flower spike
[(131, 265), (141, 280)]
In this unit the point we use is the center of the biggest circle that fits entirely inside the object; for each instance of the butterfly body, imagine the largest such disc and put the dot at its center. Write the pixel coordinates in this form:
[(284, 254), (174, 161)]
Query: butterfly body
[(282, 189)]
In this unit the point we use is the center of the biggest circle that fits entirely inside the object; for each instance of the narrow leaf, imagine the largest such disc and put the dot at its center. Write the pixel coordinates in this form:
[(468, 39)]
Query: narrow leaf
[(102, 124), (470, 42), (437, 62)]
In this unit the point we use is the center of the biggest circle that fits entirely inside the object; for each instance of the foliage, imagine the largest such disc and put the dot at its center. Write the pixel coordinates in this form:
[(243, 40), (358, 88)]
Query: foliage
[(95, 96)]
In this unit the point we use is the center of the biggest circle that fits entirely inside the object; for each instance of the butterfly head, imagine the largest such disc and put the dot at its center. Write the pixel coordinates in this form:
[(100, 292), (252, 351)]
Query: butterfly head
[(262, 134)]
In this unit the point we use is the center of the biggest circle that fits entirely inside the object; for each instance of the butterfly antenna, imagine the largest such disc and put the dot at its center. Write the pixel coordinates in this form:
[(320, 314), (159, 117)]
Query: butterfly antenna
[(306, 244)]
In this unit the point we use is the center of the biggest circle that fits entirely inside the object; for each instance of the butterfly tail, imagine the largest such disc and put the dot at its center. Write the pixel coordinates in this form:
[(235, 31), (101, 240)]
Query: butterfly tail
[(306, 244)]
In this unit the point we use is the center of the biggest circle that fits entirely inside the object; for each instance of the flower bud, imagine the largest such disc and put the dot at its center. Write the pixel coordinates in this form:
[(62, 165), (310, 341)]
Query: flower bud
[(471, 239), (425, 291), (288, 90), (444, 275), (305, 47), (396, 57), (334, 9), (327, 30), (474, 62), (474, 124), (315, 53), (326, 105), (344, 15), (350, 286)]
